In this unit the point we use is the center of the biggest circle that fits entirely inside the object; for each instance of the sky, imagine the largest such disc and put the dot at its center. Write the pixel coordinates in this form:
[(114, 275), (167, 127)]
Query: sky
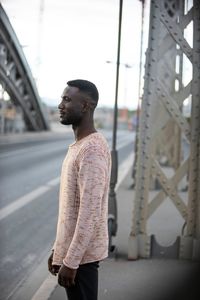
[(70, 39)]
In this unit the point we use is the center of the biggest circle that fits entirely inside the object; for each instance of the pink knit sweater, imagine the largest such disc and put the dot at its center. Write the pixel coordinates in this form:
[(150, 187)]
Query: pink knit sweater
[(82, 233)]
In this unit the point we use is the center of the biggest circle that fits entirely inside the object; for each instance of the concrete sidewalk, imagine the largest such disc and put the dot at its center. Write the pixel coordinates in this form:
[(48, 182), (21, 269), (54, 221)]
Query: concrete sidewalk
[(152, 279)]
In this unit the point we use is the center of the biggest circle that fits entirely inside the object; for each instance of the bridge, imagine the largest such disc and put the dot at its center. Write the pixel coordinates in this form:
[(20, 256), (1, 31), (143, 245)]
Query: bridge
[(16, 77)]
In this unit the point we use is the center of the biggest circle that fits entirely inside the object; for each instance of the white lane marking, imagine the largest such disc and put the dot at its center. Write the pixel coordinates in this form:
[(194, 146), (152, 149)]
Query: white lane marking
[(22, 201), (46, 289), (49, 284), (54, 181), (124, 168)]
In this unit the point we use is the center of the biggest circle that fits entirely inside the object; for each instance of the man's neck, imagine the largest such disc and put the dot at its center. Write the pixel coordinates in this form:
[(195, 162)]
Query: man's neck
[(83, 131)]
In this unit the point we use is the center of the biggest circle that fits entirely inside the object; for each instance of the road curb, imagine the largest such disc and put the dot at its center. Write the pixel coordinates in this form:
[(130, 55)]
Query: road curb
[(30, 137), (46, 289)]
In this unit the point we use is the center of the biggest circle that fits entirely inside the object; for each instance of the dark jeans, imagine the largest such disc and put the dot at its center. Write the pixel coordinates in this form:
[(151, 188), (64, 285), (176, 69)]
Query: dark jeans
[(86, 283)]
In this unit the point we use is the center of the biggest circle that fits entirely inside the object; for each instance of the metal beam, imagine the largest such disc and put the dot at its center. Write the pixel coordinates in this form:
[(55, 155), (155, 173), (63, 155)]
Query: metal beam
[(16, 77), (161, 108)]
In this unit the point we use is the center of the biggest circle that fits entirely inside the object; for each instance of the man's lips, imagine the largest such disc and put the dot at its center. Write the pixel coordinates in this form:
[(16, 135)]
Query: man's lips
[(61, 113)]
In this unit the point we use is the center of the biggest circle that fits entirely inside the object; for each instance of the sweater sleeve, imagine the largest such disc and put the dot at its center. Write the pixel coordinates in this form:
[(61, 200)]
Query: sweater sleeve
[(91, 181)]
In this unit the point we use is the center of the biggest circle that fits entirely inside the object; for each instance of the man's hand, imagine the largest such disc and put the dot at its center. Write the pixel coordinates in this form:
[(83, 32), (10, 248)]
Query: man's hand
[(52, 268), (66, 276)]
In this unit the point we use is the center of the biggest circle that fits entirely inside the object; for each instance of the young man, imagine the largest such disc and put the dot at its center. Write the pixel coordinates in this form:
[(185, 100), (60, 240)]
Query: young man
[(82, 233)]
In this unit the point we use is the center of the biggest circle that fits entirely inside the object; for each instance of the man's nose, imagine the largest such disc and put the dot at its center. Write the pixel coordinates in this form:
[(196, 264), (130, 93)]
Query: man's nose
[(60, 105)]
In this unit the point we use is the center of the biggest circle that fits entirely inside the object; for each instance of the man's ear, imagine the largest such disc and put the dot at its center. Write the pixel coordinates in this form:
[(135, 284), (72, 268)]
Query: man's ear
[(86, 106)]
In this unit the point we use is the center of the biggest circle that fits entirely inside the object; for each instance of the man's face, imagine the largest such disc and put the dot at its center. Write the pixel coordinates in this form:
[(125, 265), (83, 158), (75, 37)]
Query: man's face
[(71, 106)]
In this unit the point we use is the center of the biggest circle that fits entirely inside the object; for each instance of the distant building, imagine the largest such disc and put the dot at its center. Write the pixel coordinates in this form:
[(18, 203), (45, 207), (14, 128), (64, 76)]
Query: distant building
[(103, 117), (11, 118)]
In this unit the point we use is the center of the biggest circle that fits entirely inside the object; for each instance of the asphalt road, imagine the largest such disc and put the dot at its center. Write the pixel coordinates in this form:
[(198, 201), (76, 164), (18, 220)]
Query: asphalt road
[(29, 203)]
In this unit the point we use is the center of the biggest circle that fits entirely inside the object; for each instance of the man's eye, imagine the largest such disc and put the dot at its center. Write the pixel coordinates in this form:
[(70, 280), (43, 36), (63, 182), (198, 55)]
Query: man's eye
[(67, 99)]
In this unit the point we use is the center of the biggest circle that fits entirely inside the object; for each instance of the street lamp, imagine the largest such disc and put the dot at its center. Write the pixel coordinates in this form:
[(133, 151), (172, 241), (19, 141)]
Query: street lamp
[(112, 203), (127, 66)]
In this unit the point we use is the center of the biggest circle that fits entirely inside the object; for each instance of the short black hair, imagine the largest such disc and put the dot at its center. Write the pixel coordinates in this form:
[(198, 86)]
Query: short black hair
[(87, 87)]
